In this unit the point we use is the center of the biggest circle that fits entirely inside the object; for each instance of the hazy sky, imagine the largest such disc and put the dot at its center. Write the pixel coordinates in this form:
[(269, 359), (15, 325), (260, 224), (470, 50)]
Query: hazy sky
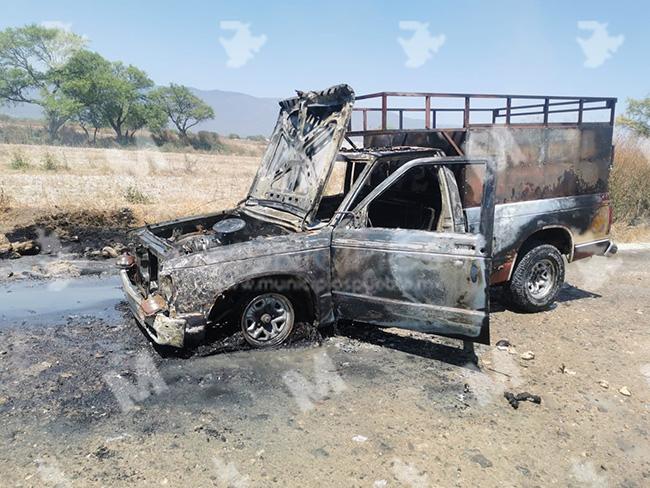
[(501, 46)]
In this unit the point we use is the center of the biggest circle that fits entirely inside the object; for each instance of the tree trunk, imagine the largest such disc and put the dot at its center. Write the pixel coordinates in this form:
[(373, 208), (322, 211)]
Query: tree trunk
[(54, 124), (86, 132)]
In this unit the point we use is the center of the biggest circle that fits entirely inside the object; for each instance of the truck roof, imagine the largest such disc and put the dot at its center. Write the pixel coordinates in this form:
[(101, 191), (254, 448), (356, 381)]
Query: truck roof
[(364, 153)]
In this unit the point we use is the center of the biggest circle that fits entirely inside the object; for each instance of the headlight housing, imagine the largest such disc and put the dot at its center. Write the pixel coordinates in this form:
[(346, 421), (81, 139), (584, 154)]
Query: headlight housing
[(166, 288)]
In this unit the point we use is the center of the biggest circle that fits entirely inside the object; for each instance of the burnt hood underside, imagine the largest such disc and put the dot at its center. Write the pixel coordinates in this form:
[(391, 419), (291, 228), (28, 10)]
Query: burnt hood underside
[(303, 147)]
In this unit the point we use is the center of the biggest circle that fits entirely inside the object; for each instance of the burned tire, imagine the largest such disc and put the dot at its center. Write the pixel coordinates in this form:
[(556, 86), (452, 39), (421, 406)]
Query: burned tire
[(267, 319), (537, 278)]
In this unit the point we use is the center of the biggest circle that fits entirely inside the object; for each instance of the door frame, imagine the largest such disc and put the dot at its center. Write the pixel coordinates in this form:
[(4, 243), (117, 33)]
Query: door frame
[(484, 253)]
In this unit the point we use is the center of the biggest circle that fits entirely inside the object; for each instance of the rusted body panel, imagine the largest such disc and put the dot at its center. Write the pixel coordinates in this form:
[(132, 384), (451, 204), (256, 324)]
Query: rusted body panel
[(551, 174), (200, 278), (474, 196), (546, 177), (405, 274), (545, 162)]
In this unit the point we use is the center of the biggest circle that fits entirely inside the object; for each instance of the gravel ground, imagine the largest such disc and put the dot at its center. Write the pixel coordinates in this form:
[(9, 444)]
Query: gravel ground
[(366, 408)]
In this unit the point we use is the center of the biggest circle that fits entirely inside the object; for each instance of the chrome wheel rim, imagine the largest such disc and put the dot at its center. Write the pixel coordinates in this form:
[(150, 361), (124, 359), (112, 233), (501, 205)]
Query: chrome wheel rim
[(541, 279), (267, 319)]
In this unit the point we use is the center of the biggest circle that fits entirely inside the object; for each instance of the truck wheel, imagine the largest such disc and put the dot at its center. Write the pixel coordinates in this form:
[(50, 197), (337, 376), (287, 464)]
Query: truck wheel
[(267, 319), (537, 278)]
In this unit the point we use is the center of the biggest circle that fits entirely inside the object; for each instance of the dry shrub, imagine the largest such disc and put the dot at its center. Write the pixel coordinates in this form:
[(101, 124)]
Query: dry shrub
[(134, 195), (50, 163), (629, 182), (19, 161)]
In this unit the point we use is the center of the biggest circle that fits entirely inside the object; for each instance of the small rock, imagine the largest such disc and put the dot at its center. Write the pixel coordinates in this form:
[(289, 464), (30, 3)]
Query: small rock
[(359, 438), (482, 460), (603, 384), (66, 375), (5, 249), (528, 355), (74, 238), (380, 484), (625, 391), (523, 470), (103, 452), (25, 247), (10, 274), (320, 453), (503, 344), (109, 252)]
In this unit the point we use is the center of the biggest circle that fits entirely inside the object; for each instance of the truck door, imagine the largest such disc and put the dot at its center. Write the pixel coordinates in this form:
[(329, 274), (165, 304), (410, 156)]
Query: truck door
[(403, 256)]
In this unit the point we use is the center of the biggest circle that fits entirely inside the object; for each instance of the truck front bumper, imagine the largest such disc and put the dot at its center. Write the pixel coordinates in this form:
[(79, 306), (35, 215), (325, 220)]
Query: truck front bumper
[(159, 327)]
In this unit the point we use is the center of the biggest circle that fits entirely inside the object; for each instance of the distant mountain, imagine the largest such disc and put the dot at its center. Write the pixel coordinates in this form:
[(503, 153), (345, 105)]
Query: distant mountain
[(238, 113), (235, 113)]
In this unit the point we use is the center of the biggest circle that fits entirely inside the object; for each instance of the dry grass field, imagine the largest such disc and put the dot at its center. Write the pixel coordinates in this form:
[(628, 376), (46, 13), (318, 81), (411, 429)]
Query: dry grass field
[(36, 181)]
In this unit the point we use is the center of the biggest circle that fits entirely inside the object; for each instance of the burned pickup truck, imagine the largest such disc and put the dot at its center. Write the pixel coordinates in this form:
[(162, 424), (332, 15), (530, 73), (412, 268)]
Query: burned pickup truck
[(393, 226)]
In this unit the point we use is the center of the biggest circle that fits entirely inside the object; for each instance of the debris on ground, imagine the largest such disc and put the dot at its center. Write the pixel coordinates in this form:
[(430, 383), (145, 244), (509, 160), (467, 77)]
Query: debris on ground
[(503, 344), (603, 384), (565, 370), (481, 460), (109, 252), (625, 391), (14, 250), (359, 438), (514, 399), (528, 355)]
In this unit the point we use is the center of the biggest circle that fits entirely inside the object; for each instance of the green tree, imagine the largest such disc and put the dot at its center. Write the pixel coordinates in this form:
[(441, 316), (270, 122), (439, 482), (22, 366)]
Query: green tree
[(111, 95), (30, 60), (637, 116), (183, 108), (85, 75), (124, 97)]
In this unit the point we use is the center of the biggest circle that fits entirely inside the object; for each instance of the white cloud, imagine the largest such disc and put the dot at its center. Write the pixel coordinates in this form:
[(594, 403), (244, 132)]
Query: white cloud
[(600, 46), (57, 24), (241, 47), (422, 45)]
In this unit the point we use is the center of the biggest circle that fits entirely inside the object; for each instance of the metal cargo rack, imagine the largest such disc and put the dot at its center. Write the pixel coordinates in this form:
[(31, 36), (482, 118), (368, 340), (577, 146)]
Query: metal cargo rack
[(505, 111)]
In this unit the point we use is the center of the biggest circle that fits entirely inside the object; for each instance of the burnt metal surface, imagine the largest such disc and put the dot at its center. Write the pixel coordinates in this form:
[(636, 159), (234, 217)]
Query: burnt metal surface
[(546, 162), (514, 182), (304, 144), (435, 283)]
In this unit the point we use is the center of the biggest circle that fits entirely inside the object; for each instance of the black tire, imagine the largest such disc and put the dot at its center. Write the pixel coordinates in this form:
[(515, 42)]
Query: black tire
[(537, 278), (267, 319)]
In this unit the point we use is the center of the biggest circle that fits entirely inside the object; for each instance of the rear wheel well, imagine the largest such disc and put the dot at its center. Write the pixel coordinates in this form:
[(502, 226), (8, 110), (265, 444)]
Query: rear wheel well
[(296, 289), (558, 237)]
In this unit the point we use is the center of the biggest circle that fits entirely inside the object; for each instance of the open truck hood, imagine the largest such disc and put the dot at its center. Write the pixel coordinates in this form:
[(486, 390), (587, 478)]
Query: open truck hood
[(303, 148)]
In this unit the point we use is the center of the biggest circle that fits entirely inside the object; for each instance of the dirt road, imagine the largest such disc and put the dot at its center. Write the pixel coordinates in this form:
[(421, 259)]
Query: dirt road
[(86, 401)]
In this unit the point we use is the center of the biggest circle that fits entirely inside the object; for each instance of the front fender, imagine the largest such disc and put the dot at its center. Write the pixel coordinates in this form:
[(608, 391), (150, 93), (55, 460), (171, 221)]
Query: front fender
[(200, 278)]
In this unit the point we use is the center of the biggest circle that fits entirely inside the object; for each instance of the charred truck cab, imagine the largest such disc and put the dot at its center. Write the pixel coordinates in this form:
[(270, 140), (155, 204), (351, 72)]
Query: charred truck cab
[(402, 228)]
